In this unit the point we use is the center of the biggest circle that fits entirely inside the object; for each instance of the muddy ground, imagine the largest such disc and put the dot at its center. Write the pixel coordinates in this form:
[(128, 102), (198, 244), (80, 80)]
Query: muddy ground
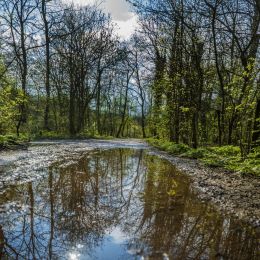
[(230, 192)]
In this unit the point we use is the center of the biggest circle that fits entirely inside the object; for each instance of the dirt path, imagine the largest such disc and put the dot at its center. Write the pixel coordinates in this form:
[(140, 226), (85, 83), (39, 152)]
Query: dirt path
[(230, 192)]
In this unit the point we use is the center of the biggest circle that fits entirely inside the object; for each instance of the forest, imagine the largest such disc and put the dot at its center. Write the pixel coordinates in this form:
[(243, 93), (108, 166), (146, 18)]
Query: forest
[(187, 80)]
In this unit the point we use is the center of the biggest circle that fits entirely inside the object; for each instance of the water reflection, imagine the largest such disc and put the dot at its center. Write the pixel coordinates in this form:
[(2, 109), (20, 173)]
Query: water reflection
[(117, 204)]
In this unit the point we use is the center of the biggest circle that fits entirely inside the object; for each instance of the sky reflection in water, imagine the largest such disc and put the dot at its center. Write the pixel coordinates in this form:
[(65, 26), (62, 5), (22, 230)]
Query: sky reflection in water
[(117, 204)]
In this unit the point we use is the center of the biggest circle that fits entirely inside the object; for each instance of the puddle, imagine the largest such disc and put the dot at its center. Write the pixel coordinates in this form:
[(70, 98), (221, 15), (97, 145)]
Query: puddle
[(116, 204)]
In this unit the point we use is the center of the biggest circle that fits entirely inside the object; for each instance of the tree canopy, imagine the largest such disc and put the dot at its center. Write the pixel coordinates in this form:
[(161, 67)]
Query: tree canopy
[(190, 73)]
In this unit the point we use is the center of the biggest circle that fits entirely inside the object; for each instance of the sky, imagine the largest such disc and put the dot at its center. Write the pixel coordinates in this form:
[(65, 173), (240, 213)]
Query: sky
[(120, 12)]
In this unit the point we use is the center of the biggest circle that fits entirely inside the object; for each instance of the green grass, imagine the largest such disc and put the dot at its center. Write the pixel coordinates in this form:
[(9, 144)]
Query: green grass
[(12, 141), (227, 157)]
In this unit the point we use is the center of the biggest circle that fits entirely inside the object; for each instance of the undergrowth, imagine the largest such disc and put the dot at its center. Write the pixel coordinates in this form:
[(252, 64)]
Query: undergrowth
[(12, 140), (228, 157), (52, 135)]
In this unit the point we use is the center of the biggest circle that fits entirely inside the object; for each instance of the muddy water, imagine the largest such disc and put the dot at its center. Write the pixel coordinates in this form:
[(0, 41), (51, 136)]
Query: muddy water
[(116, 204)]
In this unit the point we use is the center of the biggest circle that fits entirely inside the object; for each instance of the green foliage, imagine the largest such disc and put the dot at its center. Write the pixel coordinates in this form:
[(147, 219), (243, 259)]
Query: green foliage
[(222, 156), (196, 153), (8, 141), (250, 165), (225, 151), (53, 135), (228, 157), (178, 148), (214, 160), (169, 147), (50, 135), (10, 102)]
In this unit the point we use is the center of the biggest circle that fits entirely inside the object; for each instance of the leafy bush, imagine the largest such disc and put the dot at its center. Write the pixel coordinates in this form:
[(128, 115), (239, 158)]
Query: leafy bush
[(178, 149), (50, 135), (12, 140), (168, 146), (214, 160), (196, 153), (250, 165), (228, 150), (5, 139), (154, 142), (10, 101)]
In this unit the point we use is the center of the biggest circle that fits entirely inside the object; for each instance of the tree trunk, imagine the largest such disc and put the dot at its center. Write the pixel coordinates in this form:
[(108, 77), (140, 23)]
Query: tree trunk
[(47, 64), (256, 128), (220, 76), (72, 113), (195, 130)]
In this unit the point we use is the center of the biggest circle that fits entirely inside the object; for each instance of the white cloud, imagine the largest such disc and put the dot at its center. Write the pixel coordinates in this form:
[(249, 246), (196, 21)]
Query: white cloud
[(119, 9), (120, 13), (127, 28), (118, 236)]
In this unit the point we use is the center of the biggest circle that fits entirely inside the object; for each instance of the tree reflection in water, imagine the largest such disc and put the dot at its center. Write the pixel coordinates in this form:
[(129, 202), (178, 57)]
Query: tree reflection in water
[(123, 201)]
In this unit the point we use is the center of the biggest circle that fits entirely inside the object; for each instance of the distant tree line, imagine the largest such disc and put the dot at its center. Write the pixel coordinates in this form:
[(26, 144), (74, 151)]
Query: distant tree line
[(189, 74), (64, 70)]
